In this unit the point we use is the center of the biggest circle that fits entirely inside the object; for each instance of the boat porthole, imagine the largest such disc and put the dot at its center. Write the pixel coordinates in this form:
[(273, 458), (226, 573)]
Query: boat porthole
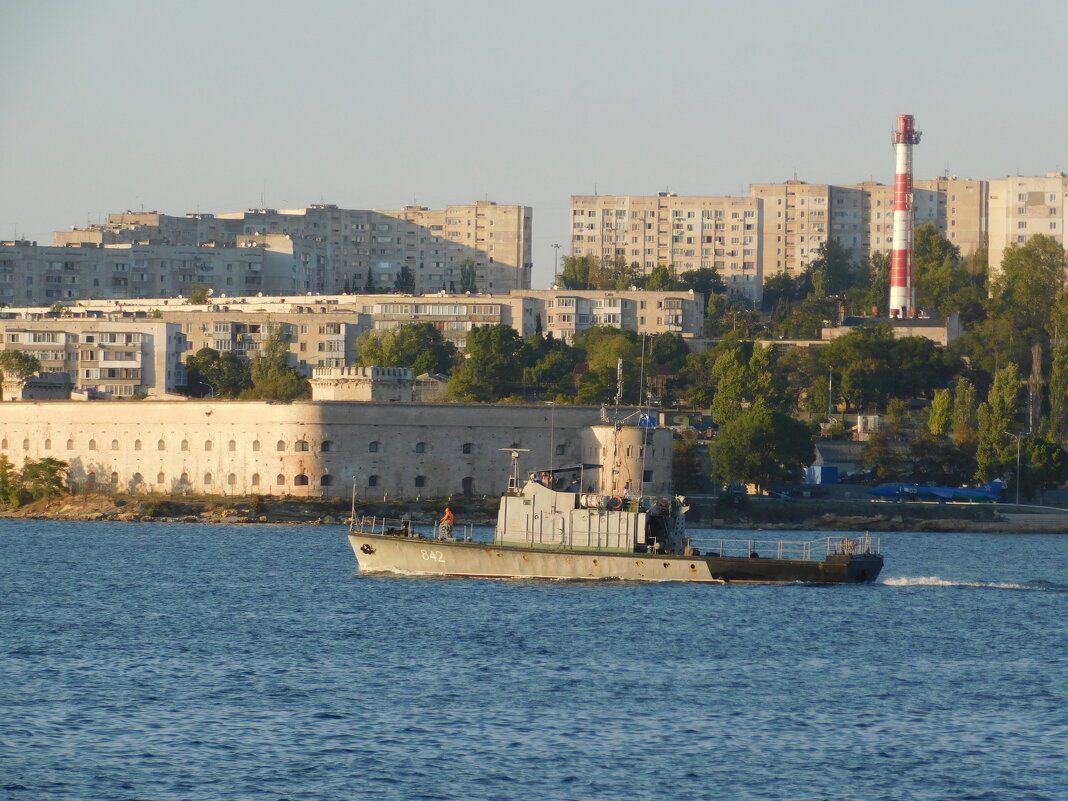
[(693, 567)]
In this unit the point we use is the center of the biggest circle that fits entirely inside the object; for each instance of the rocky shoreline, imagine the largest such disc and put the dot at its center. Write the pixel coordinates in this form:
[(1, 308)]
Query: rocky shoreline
[(771, 516)]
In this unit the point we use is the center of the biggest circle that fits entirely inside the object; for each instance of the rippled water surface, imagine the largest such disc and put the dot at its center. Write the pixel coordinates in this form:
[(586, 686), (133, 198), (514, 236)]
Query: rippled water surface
[(156, 661)]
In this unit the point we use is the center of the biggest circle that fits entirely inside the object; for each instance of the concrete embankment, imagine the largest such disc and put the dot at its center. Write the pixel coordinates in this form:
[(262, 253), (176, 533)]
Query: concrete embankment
[(747, 513)]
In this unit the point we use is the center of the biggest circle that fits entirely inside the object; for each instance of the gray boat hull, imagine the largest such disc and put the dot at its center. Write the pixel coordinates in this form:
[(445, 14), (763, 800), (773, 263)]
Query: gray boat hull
[(418, 556)]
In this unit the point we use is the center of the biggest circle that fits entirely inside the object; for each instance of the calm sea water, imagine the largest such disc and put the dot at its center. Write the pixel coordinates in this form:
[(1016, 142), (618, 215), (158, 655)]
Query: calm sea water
[(166, 661)]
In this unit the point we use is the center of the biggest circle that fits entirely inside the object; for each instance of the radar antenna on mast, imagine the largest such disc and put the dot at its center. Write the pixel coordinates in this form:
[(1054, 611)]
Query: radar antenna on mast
[(513, 477)]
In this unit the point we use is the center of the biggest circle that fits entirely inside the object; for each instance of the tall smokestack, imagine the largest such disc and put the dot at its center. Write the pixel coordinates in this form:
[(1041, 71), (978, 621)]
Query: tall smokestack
[(902, 291)]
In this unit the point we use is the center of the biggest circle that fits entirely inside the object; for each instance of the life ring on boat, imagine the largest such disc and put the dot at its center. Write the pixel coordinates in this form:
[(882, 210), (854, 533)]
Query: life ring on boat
[(615, 503)]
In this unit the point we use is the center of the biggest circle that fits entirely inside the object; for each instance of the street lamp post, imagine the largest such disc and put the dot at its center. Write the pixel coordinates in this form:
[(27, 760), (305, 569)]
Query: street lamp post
[(211, 390)]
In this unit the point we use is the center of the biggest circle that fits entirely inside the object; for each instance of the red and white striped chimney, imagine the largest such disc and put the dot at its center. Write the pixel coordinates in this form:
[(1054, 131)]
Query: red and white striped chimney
[(902, 291)]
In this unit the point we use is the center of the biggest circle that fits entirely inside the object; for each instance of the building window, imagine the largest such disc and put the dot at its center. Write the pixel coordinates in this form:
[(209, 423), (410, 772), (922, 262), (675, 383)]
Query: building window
[(300, 481), (300, 445), (280, 446), (561, 449), (372, 447), (161, 446), (185, 445), (255, 479), (48, 445), (137, 480), (280, 480), (467, 447), (207, 478), (137, 444), (326, 481), (207, 445), (160, 478), (232, 445), (255, 445), (231, 480), (25, 444), (420, 447), (327, 446), (92, 444), (420, 481)]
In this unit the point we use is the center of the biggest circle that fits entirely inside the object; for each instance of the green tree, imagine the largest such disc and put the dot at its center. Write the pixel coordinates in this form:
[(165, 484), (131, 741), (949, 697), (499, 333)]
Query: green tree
[(661, 279), (404, 283), (577, 272), (369, 287), (493, 367), (1056, 427), (10, 482), (18, 364), (199, 295), (705, 281), (996, 416), (44, 478), (226, 374), (272, 377), (964, 421), (940, 413), (468, 282), (1046, 466), (419, 346), (833, 262), (760, 446)]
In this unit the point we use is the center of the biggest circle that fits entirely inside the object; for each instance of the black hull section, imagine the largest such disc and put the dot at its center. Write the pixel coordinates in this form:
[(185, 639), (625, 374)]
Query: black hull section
[(836, 569)]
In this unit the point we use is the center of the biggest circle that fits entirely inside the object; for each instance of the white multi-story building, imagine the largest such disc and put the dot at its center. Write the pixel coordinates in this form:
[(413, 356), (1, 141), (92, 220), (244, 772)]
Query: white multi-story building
[(482, 246), (110, 359), (686, 233), (1021, 207)]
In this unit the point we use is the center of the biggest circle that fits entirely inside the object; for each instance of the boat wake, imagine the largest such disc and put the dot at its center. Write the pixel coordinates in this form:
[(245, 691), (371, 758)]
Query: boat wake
[(935, 581)]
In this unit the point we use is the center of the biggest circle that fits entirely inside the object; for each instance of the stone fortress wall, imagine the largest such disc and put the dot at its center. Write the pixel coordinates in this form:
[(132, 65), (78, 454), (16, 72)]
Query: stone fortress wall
[(311, 448)]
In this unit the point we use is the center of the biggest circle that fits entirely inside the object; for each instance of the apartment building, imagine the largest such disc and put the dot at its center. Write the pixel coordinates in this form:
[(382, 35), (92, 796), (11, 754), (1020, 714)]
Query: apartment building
[(108, 359), (1020, 207), (33, 275), (483, 242), (563, 312), (688, 233)]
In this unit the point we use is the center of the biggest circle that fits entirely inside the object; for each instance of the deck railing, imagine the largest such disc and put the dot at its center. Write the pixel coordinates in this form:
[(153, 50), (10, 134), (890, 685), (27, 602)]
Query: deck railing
[(814, 550), (404, 527)]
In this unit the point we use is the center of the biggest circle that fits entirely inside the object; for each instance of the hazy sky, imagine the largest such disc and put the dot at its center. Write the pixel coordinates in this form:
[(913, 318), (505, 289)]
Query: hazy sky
[(213, 105)]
